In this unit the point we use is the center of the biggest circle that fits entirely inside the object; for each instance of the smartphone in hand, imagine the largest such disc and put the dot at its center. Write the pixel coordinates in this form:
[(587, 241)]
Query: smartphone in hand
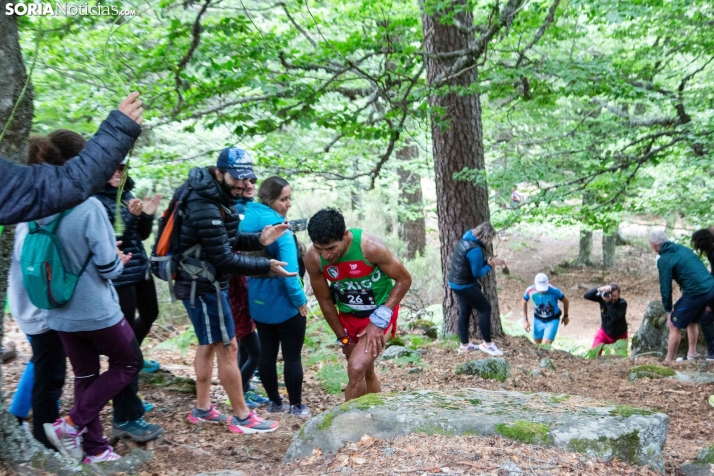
[(298, 225)]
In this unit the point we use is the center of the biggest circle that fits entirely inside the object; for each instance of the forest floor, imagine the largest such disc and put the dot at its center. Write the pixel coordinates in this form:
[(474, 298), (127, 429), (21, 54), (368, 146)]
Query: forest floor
[(188, 449)]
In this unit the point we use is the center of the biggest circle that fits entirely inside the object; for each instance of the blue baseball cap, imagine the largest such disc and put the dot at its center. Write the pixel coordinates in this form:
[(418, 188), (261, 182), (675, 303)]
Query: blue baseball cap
[(237, 162)]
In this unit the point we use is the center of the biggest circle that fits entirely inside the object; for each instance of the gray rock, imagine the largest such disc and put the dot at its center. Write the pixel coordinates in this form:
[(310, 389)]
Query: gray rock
[(696, 470), (546, 363), (510, 469), (653, 333), (698, 378), (537, 372), (585, 426), (567, 376), (415, 370), (490, 369), (397, 351), (705, 456)]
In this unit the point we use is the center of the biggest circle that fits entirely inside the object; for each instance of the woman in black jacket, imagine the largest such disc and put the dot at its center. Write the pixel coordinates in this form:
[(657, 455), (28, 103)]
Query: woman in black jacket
[(703, 243), (135, 286)]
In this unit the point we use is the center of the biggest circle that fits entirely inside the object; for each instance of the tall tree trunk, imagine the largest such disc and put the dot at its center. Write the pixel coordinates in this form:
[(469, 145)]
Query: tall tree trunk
[(457, 141), (671, 223), (609, 242), (585, 251), (411, 204), (16, 444)]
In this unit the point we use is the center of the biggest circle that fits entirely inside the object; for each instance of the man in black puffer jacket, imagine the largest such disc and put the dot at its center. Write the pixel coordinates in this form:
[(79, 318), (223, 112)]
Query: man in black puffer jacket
[(209, 236)]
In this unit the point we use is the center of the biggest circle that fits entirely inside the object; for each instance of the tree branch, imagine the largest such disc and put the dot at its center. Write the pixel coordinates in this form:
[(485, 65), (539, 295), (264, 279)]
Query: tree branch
[(196, 38)]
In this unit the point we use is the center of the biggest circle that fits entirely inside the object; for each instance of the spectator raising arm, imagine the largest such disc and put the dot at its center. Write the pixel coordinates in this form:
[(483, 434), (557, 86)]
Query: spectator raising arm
[(30, 193)]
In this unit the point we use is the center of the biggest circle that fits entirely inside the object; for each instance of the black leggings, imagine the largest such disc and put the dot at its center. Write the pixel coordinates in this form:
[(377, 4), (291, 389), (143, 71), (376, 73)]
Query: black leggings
[(469, 299), (248, 358), (142, 296), (289, 336), (707, 325)]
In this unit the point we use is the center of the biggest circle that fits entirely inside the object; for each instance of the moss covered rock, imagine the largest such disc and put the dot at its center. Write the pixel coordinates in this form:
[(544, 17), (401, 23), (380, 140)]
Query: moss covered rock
[(396, 351), (574, 423), (650, 371), (705, 456), (491, 369), (165, 379)]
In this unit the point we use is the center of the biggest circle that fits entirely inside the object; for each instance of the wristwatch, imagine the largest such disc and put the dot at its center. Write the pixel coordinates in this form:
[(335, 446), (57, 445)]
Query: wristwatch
[(344, 341)]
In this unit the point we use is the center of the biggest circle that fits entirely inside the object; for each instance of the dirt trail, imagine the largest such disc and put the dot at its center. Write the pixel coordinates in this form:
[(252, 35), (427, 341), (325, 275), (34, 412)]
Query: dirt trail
[(635, 272)]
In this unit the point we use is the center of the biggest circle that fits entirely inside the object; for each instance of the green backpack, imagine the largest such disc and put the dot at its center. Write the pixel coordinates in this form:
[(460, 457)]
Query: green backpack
[(48, 284)]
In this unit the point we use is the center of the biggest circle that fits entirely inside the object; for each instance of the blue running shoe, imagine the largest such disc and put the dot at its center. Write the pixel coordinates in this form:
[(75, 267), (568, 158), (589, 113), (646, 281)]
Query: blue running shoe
[(150, 366), (254, 397)]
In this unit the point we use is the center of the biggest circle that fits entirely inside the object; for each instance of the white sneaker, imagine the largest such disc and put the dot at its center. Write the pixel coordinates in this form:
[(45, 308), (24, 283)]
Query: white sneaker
[(490, 349), (107, 455), (464, 348), (66, 438)]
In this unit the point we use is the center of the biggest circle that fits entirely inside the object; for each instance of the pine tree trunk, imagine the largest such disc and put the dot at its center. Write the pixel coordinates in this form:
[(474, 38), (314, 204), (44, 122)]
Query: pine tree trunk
[(411, 204), (609, 242), (457, 141), (585, 252)]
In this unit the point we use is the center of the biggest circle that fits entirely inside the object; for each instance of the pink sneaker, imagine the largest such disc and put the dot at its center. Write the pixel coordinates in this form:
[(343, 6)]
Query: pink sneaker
[(66, 438), (108, 455), (252, 424), (210, 416)]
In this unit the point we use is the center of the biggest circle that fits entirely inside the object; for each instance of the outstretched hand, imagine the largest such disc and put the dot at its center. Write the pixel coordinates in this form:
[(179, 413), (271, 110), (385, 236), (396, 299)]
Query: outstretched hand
[(277, 268), (375, 339), (150, 205), (131, 107), (272, 232)]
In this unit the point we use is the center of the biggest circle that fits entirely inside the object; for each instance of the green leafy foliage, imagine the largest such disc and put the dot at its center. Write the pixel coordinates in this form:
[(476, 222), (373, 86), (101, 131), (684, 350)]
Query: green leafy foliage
[(333, 377)]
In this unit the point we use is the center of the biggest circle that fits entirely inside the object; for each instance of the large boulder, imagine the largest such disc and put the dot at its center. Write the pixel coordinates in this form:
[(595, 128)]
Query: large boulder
[(489, 369), (653, 333), (572, 423)]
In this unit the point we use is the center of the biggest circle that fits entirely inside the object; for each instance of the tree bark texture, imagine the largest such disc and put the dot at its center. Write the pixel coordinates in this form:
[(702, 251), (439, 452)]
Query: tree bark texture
[(17, 445), (585, 251), (609, 242), (457, 141), (411, 203)]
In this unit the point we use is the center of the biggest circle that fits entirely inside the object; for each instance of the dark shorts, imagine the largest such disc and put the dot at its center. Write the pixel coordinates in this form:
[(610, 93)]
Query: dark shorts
[(206, 319), (690, 309)]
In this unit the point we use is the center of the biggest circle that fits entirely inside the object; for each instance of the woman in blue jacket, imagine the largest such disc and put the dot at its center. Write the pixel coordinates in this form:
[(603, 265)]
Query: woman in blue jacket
[(278, 305)]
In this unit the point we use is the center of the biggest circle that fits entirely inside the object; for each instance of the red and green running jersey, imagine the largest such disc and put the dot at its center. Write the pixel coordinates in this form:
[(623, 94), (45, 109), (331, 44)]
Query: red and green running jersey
[(359, 285)]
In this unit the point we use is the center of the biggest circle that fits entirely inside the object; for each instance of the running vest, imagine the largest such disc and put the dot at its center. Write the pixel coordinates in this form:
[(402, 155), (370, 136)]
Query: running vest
[(359, 286)]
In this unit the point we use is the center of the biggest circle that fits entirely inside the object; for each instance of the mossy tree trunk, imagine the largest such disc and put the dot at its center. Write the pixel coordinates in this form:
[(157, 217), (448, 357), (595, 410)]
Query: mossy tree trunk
[(609, 242), (16, 444), (585, 250)]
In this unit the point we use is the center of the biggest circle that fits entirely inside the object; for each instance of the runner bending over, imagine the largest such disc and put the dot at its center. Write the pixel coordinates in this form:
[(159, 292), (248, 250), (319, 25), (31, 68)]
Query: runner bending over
[(365, 305), (546, 315)]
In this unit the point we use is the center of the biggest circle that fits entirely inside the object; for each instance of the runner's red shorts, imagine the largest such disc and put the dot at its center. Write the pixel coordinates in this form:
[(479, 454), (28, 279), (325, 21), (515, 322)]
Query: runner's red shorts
[(355, 325)]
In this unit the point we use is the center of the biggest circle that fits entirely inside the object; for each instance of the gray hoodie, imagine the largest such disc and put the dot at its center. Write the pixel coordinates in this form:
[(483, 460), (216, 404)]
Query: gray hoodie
[(95, 304)]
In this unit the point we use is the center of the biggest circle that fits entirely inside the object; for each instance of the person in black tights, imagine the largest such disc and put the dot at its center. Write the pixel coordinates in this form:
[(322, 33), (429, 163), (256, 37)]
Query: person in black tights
[(135, 286), (469, 263), (278, 305)]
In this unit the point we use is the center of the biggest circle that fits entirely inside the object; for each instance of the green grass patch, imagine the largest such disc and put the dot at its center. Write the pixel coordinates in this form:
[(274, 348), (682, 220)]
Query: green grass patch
[(181, 343), (559, 398), (332, 377), (627, 411), (651, 371), (524, 431), (412, 359)]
